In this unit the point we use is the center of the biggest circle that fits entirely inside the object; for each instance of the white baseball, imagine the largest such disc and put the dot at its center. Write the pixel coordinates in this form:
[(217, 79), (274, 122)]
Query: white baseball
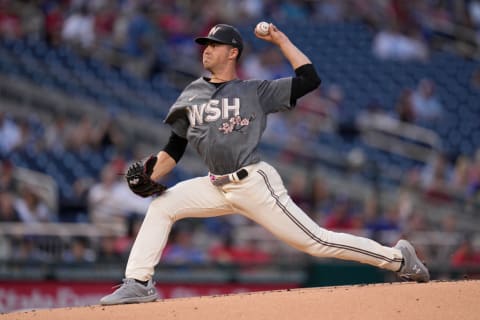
[(262, 28)]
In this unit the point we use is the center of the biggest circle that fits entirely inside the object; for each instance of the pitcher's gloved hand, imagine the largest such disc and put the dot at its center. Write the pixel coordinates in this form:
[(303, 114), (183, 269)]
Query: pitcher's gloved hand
[(139, 181)]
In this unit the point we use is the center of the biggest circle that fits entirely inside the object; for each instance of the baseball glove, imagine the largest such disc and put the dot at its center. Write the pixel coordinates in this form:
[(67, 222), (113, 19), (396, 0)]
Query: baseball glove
[(139, 181)]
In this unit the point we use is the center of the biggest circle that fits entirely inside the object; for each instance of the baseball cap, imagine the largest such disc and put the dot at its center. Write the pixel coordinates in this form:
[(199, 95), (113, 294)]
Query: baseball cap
[(225, 34)]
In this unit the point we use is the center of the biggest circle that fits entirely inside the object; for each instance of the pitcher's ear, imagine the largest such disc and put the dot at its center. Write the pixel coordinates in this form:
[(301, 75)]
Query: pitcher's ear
[(236, 53)]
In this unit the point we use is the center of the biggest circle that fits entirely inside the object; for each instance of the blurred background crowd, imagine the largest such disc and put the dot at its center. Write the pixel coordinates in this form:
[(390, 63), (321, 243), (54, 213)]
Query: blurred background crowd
[(388, 147)]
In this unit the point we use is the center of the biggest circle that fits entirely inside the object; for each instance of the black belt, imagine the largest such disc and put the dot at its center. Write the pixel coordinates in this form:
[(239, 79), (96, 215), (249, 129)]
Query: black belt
[(231, 177)]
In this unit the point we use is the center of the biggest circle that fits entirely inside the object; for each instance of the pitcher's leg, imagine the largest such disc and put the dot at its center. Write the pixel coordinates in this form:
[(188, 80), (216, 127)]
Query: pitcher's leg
[(270, 206), (325, 243), (181, 201)]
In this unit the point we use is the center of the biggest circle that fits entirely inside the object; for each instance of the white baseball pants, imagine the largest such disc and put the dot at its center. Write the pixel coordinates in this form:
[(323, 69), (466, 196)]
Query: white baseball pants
[(262, 197)]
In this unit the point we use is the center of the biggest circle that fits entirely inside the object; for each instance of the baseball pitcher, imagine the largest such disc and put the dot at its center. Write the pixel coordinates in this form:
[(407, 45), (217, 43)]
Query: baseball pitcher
[(223, 117)]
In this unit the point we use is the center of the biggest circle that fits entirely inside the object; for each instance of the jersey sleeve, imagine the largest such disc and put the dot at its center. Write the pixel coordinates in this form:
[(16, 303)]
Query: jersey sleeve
[(180, 125), (177, 115), (274, 95)]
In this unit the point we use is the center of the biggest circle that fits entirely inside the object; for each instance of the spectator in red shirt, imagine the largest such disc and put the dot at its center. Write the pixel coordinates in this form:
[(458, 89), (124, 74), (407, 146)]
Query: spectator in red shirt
[(248, 254), (54, 18), (340, 217), (466, 255), (10, 24)]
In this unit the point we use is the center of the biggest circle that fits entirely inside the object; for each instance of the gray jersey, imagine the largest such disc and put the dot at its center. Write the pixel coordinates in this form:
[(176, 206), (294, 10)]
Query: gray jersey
[(225, 124)]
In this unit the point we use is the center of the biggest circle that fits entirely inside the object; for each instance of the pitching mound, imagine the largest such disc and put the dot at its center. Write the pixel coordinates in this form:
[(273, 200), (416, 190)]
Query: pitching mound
[(435, 300)]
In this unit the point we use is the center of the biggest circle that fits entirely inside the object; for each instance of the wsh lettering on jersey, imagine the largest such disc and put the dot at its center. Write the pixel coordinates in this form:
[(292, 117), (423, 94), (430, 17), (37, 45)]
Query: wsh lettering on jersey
[(211, 111)]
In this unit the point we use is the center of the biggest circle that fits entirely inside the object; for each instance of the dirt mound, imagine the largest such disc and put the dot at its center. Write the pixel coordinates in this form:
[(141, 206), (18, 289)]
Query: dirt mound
[(435, 300)]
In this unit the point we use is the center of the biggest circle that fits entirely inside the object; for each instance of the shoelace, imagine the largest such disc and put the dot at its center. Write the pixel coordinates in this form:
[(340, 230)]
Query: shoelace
[(117, 286), (120, 284)]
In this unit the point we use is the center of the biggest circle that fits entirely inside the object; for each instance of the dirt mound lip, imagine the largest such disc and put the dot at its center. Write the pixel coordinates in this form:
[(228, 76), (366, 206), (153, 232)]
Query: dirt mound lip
[(434, 300)]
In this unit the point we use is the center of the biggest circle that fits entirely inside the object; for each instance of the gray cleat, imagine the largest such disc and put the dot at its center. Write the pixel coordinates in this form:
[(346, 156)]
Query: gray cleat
[(412, 268), (131, 292)]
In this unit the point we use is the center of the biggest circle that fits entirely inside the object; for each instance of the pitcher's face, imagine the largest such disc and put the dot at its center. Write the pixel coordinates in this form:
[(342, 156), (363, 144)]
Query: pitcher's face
[(216, 54)]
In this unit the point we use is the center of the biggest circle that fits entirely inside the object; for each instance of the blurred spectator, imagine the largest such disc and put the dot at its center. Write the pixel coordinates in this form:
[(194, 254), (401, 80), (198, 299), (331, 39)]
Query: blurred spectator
[(219, 226), (318, 112), (335, 98), (10, 133), (25, 251), (79, 252), (31, 208), (80, 137), (404, 106), (224, 251), (182, 250), (107, 251), (28, 141), (252, 9), (175, 27), (474, 13), (74, 208), (56, 134), (371, 210), (372, 14), (460, 175), (320, 195), (437, 22), (466, 255), (449, 223), (140, 31), (54, 17), (390, 44), (372, 115), (111, 202), (426, 105), (118, 38), (106, 207), (417, 222), (438, 191), (330, 10), (340, 217), (434, 178), (297, 188), (8, 213), (108, 135), (405, 204), (400, 13), (379, 221), (7, 180), (437, 168), (256, 66), (10, 23), (79, 29), (277, 129), (105, 17), (140, 42), (32, 18), (450, 234), (227, 252)]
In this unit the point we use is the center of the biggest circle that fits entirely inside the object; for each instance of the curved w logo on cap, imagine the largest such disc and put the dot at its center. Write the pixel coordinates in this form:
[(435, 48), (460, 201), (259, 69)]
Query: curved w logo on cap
[(213, 30)]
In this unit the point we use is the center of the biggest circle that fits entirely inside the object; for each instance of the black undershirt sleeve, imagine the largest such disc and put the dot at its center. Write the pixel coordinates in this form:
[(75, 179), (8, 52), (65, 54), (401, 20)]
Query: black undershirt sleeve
[(176, 146), (306, 79)]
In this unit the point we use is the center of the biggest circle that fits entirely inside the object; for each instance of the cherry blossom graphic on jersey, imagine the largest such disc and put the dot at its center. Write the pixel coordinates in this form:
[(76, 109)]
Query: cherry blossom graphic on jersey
[(236, 124)]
